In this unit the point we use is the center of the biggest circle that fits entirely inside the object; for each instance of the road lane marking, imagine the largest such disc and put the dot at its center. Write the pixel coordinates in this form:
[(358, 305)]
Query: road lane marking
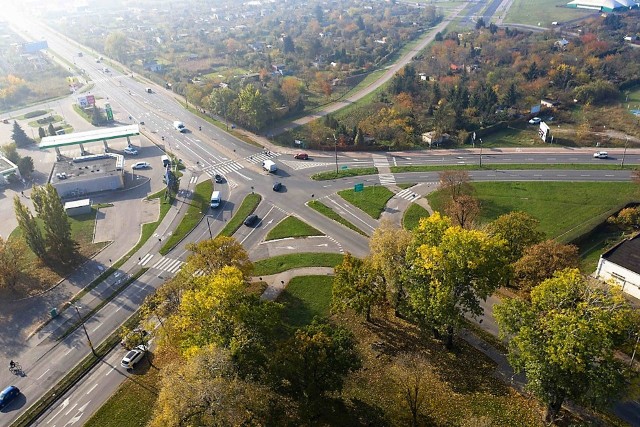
[(64, 405), (71, 409), (97, 327), (43, 374), (70, 350), (92, 388)]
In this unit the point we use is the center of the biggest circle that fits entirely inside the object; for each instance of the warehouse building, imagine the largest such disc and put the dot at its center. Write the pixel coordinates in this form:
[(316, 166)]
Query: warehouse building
[(88, 174), (603, 5)]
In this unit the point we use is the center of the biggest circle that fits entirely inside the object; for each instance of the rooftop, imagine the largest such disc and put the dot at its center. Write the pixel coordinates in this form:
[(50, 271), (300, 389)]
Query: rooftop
[(6, 166), (87, 167), (89, 136), (626, 254)]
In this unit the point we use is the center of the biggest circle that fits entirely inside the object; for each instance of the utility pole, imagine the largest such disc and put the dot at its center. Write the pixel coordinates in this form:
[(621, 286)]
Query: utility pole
[(480, 151), (335, 144), (209, 225), (85, 331), (623, 154)]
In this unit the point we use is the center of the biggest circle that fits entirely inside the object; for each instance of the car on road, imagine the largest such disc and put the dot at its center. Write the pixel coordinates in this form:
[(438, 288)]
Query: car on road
[(133, 356), (251, 220), (218, 178), (277, 186), (601, 155), (301, 156), (8, 394), (130, 150), (141, 165), (535, 121)]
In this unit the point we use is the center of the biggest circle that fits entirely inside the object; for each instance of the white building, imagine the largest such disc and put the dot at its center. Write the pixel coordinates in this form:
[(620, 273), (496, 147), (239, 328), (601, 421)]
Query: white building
[(622, 264)]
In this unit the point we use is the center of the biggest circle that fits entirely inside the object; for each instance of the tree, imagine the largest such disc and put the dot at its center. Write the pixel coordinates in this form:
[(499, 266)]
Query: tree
[(452, 270), (25, 166), (316, 360), (540, 261), (56, 222), (627, 218), (51, 129), (12, 260), (41, 132), (173, 184), (356, 285), (10, 151), (288, 45), (115, 45), (290, 88), (30, 229), (97, 117), (19, 136), (253, 107), (388, 248), (221, 101), (212, 255), (464, 210), (518, 229), (412, 373), (565, 338), (454, 183)]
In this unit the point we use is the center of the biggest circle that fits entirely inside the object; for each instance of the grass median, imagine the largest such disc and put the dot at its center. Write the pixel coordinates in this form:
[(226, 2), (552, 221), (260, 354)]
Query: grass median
[(412, 216), (306, 297), (344, 173), (292, 227), (280, 263), (198, 206), (513, 166), (249, 204), (371, 200), (331, 214)]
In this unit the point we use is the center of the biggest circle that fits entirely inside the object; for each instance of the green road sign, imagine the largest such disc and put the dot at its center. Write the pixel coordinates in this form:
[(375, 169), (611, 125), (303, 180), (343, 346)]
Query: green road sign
[(358, 187), (109, 112), (344, 167)]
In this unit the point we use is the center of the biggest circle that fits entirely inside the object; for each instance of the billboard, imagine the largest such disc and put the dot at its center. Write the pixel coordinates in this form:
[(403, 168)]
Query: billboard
[(86, 101), (33, 47), (543, 132)]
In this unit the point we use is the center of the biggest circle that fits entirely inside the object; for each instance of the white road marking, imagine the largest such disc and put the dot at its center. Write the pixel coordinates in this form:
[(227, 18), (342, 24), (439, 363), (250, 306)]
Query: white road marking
[(43, 374), (64, 405), (97, 327), (70, 350), (70, 409), (92, 388)]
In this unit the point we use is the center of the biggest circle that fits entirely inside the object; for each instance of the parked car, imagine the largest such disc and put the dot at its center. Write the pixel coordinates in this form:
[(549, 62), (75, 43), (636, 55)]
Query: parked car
[(277, 186), (535, 121), (301, 156), (130, 150), (141, 165), (251, 220), (601, 155), (218, 178), (133, 356), (8, 394)]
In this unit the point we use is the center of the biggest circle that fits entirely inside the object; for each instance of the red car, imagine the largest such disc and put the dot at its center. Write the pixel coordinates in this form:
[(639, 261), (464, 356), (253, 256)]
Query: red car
[(301, 156)]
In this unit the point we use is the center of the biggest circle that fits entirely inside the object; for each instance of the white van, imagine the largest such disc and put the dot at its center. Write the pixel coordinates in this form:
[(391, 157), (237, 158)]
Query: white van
[(179, 126), (216, 199), (269, 166)]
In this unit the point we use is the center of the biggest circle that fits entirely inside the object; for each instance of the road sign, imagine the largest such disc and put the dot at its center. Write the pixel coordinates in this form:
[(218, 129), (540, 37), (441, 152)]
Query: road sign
[(344, 167), (358, 187), (107, 107)]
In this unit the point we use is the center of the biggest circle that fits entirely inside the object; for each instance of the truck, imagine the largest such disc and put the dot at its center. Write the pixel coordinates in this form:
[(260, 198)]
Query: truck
[(216, 199), (179, 126), (269, 166)]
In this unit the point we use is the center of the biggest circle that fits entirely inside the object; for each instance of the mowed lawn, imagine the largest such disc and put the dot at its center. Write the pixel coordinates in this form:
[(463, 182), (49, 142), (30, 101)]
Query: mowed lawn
[(542, 11), (371, 200), (292, 227), (559, 206), (306, 297)]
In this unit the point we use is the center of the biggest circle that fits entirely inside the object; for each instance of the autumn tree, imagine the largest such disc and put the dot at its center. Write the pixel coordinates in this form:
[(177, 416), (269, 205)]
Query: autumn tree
[(56, 222), (115, 45), (30, 229), (518, 229), (213, 254), (290, 88), (12, 261), (540, 261), (453, 269), (10, 151), (464, 210), (357, 285), (455, 183), (413, 374), (626, 219), (565, 338)]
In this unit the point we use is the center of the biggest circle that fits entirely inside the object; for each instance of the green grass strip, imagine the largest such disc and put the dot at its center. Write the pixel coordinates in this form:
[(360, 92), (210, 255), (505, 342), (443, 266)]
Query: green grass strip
[(249, 204), (198, 207), (29, 416), (292, 227), (406, 185), (512, 166), (280, 263), (330, 213), (412, 216), (344, 173), (371, 200), (306, 297)]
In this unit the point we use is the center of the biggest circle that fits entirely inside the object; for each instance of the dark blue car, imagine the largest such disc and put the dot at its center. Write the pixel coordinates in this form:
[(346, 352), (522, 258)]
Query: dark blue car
[(7, 395)]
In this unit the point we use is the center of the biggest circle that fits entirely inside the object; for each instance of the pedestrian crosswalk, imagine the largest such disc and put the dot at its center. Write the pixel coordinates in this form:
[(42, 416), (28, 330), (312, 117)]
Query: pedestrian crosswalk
[(299, 165), (169, 265), (231, 166), (407, 194), (387, 178), (382, 163), (259, 158)]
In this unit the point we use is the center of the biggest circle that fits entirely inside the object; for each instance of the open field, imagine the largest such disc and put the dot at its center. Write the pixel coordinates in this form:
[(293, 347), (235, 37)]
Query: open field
[(542, 11), (292, 227), (371, 200)]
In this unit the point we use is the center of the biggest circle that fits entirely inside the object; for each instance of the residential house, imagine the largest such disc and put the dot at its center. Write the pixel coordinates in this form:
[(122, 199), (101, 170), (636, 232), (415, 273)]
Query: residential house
[(621, 264)]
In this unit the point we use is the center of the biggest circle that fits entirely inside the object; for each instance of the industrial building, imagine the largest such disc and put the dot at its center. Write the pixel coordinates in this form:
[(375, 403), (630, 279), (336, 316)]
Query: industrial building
[(603, 5), (84, 175), (7, 168)]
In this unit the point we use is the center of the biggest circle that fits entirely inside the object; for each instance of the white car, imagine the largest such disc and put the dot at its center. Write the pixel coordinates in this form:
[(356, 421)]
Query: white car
[(535, 121), (130, 150), (141, 165), (133, 356), (601, 155)]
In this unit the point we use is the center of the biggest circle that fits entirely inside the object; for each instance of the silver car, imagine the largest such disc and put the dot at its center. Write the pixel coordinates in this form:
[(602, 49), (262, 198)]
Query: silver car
[(133, 356)]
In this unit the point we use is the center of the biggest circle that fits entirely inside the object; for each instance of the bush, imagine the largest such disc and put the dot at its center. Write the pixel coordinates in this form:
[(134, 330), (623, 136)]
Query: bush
[(35, 113)]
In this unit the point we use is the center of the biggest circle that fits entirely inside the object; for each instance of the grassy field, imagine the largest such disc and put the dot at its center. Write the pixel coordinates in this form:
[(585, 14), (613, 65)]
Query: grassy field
[(564, 209), (344, 173), (412, 215), (306, 297), (280, 263), (198, 206), (372, 200), (542, 11), (330, 213), (292, 227), (249, 204)]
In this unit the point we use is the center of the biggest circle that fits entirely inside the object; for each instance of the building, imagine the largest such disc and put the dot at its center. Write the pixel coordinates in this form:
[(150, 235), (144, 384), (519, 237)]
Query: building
[(603, 5), (78, 207), (621, 263), (88, 174), (7, 168)]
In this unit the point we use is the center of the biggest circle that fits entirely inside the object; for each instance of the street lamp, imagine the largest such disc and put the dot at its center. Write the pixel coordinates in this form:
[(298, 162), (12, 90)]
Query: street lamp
[(335, 145), (209, 225), (480, 139), (624, 153), (85, 331)]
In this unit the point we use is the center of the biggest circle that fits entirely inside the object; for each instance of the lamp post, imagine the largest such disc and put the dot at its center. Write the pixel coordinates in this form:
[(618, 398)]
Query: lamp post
[(480, 139), (85, 331), (335, 145), (624, 153), (209, 226)]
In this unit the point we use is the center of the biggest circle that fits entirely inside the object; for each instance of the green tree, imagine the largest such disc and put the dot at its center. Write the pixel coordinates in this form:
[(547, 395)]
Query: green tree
[(25, 166), (518, 229), (56, 222), (30, 229), (565, 338), (357, 285), (540, 261), (214, 254), (115, 45), (253, 107), (221, 102), (173, 184), (51, 130), (97, 116), (10, 151), (453, 269), (19, 136), (41, 132), (12, 261)]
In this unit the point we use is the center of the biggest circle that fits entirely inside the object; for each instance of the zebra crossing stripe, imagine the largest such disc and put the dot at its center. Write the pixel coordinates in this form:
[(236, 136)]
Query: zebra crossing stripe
[(193, 180), (145, 259), (407, 194), (387, 178), (161, 264), (259, 158)]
